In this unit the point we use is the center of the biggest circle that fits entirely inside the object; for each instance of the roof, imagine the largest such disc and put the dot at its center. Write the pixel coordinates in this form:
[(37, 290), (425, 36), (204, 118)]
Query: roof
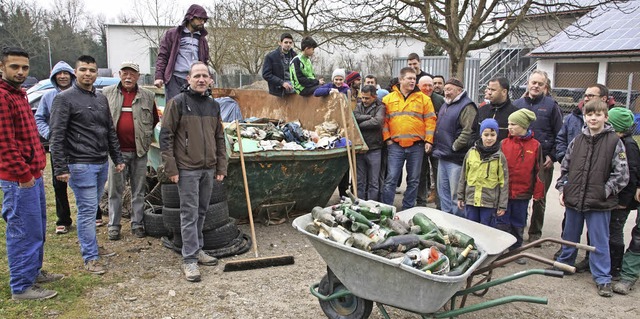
[(606, 31), (553, 8)]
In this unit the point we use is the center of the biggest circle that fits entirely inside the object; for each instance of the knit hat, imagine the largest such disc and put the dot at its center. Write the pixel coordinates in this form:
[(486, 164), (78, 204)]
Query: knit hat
[(337, 72), (352, 76), (455, 82), (620, 118), (489, 123), (522, 117)]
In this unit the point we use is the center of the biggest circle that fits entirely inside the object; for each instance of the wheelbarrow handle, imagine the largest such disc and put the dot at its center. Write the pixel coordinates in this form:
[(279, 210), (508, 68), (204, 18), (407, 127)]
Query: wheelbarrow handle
[(585, 247), (564, 267)]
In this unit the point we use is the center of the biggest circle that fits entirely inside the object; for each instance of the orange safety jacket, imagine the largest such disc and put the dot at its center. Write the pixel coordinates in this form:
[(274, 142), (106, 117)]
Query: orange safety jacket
[(408, 119)]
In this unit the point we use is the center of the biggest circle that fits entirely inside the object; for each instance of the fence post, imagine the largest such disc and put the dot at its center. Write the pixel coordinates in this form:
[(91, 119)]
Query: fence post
[(629, 87)]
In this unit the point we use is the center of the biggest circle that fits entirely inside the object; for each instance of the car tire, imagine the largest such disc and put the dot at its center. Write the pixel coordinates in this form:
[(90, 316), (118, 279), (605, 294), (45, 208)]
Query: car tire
[(216, 217), (222, 236), (153, 222), (218, 193), (170, 196), (171, 219)]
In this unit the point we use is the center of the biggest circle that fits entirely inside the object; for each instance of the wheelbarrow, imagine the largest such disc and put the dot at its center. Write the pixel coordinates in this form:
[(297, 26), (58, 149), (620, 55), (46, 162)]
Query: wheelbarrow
[(355, 278)]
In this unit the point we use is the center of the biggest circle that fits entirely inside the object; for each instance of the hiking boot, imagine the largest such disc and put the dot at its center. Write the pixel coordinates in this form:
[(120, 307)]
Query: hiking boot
[(583, 266), (604, 290), (432, 196), (191, 271), (103, 252), (534, 237), (623, 286), (114, 234), (95, 267), (557, 254), (35, 293), (62, 229), (138, 232), (45, 277), (206, 260), (99, 223)]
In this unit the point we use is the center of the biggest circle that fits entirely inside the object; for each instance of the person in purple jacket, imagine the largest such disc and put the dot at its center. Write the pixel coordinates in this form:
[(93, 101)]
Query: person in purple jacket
[(337, 84), (179, 48)]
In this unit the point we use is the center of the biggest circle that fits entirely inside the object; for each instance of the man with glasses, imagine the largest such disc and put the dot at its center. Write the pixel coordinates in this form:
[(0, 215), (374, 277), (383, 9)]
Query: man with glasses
[(275, 65), (179, 49)]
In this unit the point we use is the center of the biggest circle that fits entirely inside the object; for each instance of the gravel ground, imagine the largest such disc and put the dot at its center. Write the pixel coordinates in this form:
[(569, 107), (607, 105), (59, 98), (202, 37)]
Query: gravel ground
[(156, 287)]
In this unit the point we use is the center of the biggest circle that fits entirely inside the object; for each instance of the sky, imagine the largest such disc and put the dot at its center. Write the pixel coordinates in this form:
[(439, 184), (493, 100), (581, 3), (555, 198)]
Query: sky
[(112, 8)]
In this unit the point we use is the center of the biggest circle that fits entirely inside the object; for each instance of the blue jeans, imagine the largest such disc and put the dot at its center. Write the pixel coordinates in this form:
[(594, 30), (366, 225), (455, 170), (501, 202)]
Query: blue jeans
[(598, 232), (397, 155), (136, 171), (87, 182), (369, 174), (514, 220), (194, 187), (24, 210), (448, 177), (482, 215)]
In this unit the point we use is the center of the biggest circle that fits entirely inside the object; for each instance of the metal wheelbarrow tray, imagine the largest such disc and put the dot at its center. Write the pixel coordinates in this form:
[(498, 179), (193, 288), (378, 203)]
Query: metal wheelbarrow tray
[(389, 282)]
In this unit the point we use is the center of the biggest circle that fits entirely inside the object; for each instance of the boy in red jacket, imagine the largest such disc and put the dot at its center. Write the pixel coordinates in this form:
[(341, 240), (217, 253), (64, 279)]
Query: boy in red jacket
[(524, 159)]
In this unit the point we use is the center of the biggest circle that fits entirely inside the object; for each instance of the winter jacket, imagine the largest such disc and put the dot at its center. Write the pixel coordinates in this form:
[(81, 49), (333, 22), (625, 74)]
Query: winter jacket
[(325, 89), (82, 130), (302, 74), (500, 113), (456, 129), (273, 70), (524, 158), (170, 45), (370, 119), (548, 121), (408, 119), (437, 101), (43, 113), (594, 171), (192, 136), (571, 128), (21, 154), (484, 183), (626, 197), (145, 114)]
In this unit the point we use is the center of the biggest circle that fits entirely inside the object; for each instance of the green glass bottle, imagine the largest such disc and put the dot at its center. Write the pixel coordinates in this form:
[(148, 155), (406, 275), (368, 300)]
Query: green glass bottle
[(426, 224), (459, 239), (357, 217), (433, 235), (366, 212), (433, 266), (463, 255), (450, 252), (357, 227)]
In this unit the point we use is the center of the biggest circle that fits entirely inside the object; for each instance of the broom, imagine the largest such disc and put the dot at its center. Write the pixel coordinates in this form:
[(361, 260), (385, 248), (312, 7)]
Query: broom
[(253, 263)]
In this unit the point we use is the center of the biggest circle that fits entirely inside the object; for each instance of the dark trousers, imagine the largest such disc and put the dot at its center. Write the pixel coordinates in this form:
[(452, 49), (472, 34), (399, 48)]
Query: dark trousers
[(537, 216), (308, 91), (428, 178), (616, 238), (173, 88), (63, 211)]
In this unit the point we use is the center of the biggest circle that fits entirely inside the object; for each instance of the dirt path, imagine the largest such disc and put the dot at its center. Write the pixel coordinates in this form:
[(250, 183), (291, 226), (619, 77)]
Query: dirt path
[(156, 288)]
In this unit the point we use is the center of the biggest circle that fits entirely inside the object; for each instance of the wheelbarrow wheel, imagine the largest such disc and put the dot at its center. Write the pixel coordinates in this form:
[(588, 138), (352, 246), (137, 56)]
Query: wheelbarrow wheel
[(349, 307)]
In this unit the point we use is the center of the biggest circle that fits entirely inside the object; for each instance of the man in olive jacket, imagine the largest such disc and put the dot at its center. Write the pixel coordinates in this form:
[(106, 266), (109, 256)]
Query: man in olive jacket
[(193, 154)]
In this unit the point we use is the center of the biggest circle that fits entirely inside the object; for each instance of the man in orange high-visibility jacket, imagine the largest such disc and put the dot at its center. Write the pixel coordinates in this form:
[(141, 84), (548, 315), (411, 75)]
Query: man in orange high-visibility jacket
[(408, 132)]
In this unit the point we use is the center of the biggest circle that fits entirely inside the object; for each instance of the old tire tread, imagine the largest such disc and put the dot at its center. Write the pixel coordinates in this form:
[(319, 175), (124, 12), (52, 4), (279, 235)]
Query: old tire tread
[(216, 217), (153, 222), (170, 196), (220, 237)]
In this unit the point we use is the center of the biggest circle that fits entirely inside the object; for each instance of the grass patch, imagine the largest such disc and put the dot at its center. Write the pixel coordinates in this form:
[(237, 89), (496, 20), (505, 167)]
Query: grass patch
[(61, 255)]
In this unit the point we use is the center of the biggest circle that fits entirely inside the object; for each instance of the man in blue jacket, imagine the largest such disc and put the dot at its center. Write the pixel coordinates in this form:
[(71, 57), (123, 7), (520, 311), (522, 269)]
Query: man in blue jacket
[(545, 128), (275, 65)]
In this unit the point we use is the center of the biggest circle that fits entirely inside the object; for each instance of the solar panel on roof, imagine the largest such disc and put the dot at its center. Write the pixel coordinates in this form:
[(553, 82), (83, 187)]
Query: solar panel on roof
[(614, 30)]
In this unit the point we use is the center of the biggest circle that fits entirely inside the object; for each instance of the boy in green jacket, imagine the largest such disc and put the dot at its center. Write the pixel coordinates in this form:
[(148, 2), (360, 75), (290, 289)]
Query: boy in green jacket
[(301, 71)]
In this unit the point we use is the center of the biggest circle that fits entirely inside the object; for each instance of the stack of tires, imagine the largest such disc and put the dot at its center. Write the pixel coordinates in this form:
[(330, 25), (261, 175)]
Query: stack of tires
[(219, 229), (154, 222)]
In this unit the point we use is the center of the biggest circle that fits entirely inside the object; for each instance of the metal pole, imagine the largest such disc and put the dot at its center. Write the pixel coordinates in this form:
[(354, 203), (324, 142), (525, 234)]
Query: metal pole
[(49, 49), (629, 87)]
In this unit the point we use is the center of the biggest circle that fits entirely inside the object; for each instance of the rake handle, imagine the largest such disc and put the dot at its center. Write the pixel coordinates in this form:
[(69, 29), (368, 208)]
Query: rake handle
[(254, 243)]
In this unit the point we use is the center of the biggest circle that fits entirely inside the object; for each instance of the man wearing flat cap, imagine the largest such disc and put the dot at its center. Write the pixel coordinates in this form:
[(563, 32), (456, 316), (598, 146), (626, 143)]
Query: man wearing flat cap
[(179, 48), (134, 114), (455, 133)]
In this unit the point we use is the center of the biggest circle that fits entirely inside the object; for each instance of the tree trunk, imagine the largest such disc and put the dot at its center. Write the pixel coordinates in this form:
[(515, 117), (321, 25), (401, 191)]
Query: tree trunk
[(456, 66)]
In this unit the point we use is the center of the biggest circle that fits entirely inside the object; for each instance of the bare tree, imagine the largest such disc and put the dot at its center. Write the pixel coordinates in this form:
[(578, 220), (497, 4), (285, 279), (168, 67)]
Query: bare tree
[(69, 11), (154, 16), (456, 26)]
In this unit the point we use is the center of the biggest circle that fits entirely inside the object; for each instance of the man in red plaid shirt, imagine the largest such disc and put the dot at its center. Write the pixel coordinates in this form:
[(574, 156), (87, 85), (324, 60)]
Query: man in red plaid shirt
[(22, 160)]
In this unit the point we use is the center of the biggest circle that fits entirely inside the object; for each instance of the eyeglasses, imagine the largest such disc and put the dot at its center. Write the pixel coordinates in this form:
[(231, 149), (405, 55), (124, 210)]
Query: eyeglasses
[(591, 96)]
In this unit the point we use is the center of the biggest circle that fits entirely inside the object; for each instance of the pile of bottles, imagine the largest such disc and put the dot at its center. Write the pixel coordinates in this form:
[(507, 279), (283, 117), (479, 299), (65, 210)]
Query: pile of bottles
[(372, 227)]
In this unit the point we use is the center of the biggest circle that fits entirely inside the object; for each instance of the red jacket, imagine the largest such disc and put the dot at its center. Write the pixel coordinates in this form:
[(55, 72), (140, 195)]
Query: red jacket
[(524, 158), (21, 154)]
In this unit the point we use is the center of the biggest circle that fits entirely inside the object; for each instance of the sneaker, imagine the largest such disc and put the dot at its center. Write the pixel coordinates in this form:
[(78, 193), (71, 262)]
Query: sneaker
[(103, 252), (114, 234), (99, 223), (62, 229), (623, 286), (604, 290), (191, 271), (557, 254), (35, 293), (204, 259), (95, 267), (583, 266), (138, 232), (45, 277), (534, 237)]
